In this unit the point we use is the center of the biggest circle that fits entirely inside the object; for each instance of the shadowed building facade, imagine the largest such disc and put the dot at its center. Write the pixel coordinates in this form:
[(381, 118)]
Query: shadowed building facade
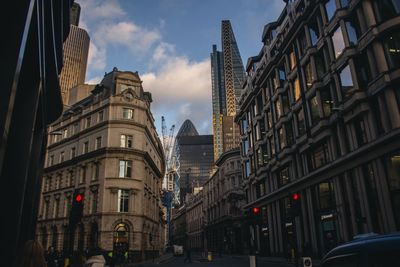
[(320, 124), (109, 150)]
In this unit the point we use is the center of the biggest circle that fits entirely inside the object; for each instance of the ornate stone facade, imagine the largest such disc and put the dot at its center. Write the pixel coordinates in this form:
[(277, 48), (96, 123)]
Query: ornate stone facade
[(106, 145)]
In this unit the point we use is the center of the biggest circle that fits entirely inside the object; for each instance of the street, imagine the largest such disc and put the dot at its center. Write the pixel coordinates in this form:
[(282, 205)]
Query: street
[(226, 260)]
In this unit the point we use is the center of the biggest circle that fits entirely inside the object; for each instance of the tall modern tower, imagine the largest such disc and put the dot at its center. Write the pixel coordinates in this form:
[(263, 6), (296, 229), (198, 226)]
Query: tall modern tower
[(227, 75), (76, 49)]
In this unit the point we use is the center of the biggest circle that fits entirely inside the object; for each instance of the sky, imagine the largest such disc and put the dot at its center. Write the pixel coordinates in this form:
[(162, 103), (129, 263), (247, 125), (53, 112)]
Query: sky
[(169, 43)]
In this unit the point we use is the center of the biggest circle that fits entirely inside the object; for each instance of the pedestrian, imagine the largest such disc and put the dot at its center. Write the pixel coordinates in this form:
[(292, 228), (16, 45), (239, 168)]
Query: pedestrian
[(32, 255), (95, 258), (188, 257)]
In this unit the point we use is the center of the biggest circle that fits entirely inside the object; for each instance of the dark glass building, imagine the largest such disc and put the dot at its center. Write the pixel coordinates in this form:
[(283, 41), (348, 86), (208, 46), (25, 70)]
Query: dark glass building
[(30, 99), (320, 124), (195, 156)]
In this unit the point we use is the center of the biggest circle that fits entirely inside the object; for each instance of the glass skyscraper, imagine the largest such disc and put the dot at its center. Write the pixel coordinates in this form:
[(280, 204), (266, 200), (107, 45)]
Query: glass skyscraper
[(227, 75)]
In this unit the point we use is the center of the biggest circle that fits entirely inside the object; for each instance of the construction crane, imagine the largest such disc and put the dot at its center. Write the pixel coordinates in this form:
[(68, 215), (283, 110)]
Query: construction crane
[(168, 189)]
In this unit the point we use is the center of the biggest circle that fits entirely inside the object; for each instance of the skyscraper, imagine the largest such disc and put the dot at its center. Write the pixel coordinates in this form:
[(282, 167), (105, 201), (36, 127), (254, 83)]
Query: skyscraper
[(227, 75), (194, 154), (76, 49)]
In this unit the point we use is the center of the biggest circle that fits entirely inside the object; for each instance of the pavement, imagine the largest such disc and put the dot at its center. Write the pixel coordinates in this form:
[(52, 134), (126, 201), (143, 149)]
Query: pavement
[(168, 259)]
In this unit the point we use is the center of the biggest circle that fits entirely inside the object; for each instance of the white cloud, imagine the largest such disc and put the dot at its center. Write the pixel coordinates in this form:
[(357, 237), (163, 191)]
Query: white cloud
[(101, 9), (96, 57), (95, 80), (181, 89)]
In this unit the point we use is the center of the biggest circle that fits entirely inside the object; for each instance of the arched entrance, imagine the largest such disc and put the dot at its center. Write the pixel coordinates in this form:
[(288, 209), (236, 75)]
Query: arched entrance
[(121, 240)]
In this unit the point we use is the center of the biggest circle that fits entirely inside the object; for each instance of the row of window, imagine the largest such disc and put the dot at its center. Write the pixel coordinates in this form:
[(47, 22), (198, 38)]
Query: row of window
[(126, 141), (87, 122)]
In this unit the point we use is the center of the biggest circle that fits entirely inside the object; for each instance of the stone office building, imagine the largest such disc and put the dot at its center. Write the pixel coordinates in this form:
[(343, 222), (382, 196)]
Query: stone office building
[(109, 150), (320, 118), (223, 201)]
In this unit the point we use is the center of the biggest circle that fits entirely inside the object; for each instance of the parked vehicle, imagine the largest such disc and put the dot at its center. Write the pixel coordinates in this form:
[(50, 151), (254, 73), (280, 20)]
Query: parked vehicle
[(178, 250), (369, 250)]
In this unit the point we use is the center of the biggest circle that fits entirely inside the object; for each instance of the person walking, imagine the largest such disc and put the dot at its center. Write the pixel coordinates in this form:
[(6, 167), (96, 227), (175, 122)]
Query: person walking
[(32, 255), (51, 257), (188, 257)]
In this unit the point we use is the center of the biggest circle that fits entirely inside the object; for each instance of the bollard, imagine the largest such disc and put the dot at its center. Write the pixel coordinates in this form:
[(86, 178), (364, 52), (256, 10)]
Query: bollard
[(209, 256), (253, 260)]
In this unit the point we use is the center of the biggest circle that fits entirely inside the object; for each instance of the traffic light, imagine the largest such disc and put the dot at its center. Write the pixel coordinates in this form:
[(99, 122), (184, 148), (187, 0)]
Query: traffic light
[(76, 212), (295, 204), (256, 211)]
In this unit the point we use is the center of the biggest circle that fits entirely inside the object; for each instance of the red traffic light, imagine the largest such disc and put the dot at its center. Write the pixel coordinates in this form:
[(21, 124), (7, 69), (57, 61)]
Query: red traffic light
[(79, 198), (296, 196), (256, 210)]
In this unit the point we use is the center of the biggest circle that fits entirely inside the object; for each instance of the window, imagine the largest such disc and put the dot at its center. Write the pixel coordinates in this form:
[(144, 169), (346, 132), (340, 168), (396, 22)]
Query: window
[(247, 168), (353, 30), (93, 205), (392, 50), (46, 209), (272, 145), (86, 147), (309, 75), (330, 8), (285, 103), (75, 128), (51, 160), (283, 177), (282, 141), (282, 73), (346, 81), (296, 89), (289, 133), (95, 171), (125, 168), (360, 131), (292, 60), (98, 142), (127, 113), (344, 3), (314, 110), (370, 179), (56, 208), (73, 152), (314, 30), (318, 156), (269, 119), (126, 141), (61, 156), (386, 9), (364, 74), (326, 195), (320, 63), (100, 116), (82, 177), (88, 121), (65, 133), (123, 200), (303, 43), (327, 102), (278, 109), (338, 42), (301, 124)]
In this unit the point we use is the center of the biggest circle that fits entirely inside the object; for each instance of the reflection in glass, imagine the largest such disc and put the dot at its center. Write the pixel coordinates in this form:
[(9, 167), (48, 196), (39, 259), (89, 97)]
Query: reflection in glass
[(346, 80), (352, 31), (386, 9), (309, 75), (314, 110), (296, 89), (338, 42), (330, 7)]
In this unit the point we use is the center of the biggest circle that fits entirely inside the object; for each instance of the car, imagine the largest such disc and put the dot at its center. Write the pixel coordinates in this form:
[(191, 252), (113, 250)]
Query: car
[(367, 250)]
